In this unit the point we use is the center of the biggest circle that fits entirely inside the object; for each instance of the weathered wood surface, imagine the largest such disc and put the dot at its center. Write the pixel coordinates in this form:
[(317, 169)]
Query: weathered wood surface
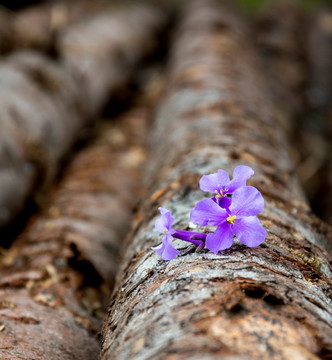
[(54, 101), (56, 277), (269, 302)]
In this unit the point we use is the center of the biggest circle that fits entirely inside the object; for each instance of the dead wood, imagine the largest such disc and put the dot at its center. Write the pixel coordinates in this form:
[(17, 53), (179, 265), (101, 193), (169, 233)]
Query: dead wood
[(56, 278), (269, 302), (44, 104)]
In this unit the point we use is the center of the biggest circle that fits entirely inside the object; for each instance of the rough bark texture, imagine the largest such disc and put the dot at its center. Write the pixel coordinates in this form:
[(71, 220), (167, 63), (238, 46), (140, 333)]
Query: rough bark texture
[(53, 102), (56, 278), (269, 302)]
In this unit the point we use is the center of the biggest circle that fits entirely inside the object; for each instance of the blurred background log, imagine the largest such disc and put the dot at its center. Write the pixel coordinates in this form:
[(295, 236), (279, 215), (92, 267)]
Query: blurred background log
[(272, 301), (53, 101), (277, 32), (57, 276), (103, 49), (295, 46), (38, 26), (39, 124), (315, 126), (5, 30)]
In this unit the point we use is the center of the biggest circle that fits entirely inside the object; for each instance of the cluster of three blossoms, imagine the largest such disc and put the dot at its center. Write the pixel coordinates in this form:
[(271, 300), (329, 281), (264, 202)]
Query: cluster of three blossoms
[(233, 209)]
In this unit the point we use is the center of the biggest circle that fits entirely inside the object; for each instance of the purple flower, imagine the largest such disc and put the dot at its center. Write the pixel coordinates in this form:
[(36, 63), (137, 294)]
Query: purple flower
[(220, 184), (164, 226), (239, 219)]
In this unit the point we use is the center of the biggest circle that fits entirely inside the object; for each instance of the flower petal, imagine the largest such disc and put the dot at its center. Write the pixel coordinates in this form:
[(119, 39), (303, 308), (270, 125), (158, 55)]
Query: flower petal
[(240, 176), (223, 202), (221, 239), (215, 181), (165, 249), (249, 231), (207, 212), (163, 211), (246, 201), (165, 221)]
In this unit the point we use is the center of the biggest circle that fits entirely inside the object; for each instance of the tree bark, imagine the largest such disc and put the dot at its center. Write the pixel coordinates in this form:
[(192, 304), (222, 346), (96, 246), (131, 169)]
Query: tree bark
[(56, 278), (53, 102), (268, 302)]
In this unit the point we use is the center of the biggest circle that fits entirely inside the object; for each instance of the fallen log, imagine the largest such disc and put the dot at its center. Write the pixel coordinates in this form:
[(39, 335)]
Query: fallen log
[(45, 104), (56, 277), (42, 111), (268, 302)]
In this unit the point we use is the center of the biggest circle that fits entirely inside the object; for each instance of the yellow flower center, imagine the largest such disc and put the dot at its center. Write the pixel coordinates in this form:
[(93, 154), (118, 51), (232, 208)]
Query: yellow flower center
[(231, 219), (165, 231), (219, 194)]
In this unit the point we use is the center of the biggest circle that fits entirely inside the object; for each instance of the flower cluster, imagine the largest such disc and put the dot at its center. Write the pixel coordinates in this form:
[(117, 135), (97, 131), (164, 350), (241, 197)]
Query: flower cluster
[(232, 209)]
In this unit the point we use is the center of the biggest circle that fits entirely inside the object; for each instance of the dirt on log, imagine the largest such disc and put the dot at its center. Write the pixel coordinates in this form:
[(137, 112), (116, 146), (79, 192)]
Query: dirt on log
[(268, 302), (53, 101), (57, 276)]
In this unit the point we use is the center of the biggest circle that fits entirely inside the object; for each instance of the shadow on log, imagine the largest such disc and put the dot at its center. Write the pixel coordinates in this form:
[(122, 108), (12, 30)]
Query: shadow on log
[(271, 302)]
